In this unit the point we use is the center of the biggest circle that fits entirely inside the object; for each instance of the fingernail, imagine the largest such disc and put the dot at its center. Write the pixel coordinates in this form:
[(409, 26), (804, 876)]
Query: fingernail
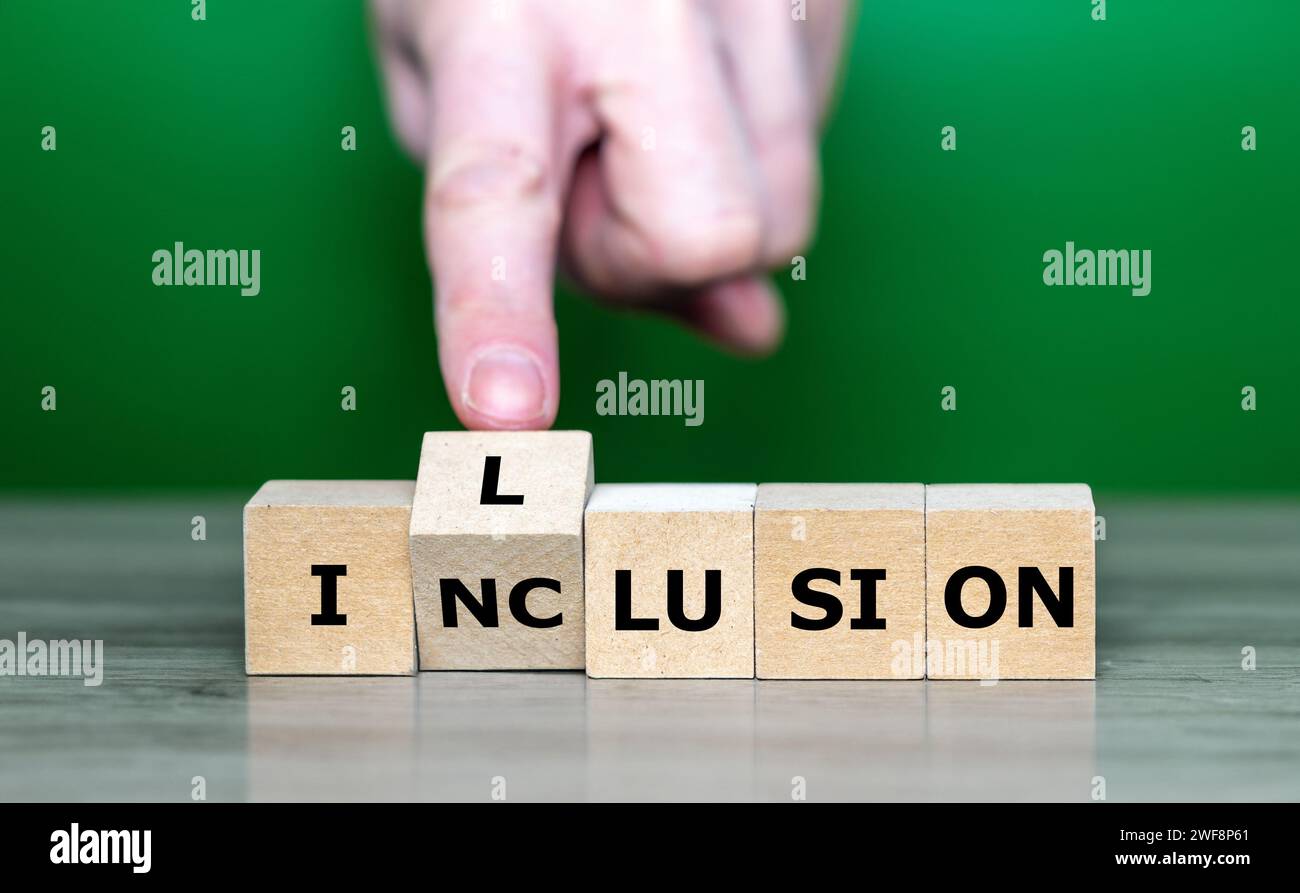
[(506, 385)]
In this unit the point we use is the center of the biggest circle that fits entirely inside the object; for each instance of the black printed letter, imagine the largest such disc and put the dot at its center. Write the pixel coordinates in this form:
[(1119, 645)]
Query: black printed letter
[(1061, 609), (485, 613), (329, 594), (868, 580), (489, 494), (997, 597), (623, 618), (712, 602), (800, 589), (519, 605)]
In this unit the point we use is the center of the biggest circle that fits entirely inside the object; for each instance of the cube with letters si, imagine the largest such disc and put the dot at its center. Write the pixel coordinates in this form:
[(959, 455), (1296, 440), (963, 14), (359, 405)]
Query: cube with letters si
[(839, 581)]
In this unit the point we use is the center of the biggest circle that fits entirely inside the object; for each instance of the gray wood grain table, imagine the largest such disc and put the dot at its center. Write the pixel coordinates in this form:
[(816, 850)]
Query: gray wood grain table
[(1184, 587)]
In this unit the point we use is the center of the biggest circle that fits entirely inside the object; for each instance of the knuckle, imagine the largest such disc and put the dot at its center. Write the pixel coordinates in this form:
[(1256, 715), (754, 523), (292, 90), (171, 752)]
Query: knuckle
[(486, 174), (792, 176), (492, 306), (789, 234), (713, 248)]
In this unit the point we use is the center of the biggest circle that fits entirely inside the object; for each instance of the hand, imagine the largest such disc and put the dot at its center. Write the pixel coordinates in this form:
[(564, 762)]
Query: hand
[(663, 150)]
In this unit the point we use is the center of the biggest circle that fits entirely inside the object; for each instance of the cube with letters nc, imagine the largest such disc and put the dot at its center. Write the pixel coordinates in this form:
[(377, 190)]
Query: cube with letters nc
[(496, 549)]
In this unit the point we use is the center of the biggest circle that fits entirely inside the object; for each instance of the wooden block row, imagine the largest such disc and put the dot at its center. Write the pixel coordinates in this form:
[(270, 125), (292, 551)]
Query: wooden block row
[(504, 555)]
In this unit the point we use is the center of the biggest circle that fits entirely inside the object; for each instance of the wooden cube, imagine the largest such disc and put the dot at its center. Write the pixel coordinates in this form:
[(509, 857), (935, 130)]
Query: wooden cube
[(327, 579), (839, 581), (496, 549), (670, 580), (1010, 589)]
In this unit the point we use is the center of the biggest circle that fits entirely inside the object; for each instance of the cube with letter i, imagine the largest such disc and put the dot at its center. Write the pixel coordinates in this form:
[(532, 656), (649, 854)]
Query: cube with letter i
[(327, 579), (496, 549)]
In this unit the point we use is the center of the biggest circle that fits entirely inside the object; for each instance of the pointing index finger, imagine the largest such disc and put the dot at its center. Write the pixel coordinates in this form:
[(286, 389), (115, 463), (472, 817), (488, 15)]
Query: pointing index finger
[(492, 215)]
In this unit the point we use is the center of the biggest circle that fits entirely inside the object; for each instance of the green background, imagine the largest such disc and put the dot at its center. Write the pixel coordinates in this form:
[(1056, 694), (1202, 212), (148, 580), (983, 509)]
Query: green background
[(926, 271)]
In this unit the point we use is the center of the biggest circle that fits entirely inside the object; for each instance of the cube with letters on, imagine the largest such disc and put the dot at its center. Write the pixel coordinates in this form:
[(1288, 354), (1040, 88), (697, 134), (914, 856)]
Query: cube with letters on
[(496, 549), (327, 579), (670, 580), (839, 581), (1010, 581)]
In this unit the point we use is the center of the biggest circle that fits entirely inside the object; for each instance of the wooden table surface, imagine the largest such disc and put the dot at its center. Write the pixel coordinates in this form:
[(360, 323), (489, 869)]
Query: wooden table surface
[(1184, 587)]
